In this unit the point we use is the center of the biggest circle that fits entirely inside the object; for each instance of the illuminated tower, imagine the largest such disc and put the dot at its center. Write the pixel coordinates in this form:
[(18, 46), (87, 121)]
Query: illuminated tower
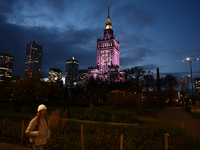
[(108, 55), (71, 75), (33, 57), (6, 64), (107, 49)]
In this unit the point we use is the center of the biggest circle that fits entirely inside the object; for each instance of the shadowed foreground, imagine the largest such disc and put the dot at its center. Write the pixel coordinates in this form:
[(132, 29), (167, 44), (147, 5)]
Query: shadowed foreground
[(174, 116), (7, 146)]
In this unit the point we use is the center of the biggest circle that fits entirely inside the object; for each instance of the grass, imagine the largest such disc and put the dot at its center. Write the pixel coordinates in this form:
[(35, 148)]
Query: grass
[(196, 115), (149, 112), (67, 134), (103, 136), (102, 114)]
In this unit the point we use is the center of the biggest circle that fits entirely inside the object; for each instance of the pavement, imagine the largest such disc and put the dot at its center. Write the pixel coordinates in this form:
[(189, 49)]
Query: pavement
[(174, 116), (7, 146)]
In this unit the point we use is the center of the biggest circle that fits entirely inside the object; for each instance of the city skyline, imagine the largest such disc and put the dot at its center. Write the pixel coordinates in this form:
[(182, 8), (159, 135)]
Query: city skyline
[(152, 34)]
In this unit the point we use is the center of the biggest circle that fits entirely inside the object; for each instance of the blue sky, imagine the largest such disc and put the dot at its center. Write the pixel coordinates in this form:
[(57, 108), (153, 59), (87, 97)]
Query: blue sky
[(152, 33)]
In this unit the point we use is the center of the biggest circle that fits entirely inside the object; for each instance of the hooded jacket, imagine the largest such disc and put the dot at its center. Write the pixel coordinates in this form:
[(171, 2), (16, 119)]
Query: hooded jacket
[(43, 129)]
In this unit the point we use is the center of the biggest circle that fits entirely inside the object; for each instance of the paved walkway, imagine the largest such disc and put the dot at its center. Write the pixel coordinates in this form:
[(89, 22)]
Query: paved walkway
[(174, 116), (7, 146)]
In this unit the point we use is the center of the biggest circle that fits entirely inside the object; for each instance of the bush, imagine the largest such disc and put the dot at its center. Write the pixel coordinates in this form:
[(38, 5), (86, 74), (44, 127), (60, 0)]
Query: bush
[(109, 114), (124, 101)]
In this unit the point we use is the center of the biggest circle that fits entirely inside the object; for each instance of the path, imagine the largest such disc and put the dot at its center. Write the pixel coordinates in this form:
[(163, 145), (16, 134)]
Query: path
[(174, 116), (7, 146)]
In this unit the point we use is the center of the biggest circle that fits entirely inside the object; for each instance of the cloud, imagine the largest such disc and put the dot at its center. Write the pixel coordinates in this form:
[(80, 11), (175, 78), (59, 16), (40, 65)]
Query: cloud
[(138, 54), (130, 15), (150, 67)]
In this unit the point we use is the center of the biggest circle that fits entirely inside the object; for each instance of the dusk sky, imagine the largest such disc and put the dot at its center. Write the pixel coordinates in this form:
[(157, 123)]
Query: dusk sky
[(152, 33)]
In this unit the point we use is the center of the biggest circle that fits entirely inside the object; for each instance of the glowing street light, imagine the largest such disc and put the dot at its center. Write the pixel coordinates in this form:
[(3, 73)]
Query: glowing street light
[(189, 60)]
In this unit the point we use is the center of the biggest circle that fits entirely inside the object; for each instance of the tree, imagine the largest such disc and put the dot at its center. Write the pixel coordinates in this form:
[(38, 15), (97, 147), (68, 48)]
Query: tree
[(170, 84), (183, 87), (97, 90), (148, 82), (134, 77), (28, 90), (5, 90)]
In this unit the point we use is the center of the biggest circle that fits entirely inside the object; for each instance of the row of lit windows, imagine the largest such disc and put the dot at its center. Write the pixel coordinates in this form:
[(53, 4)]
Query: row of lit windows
[(105, 44), (5, 68), (69, 62), (105, 51), (6, 58), (34, 48), (105, 55)]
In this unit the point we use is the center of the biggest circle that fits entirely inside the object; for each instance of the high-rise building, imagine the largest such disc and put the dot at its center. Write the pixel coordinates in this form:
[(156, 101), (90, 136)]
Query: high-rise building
[(55, 75), (71, 75), (108, 57), (197, 86), (6, 64), (33, 57), (82, 78)]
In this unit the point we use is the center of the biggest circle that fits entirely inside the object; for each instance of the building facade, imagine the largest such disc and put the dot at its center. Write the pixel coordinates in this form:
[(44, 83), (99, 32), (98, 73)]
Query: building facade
[(33, 58), (82, 78), (55, 75), (71, 74), (6, 65), (108, 57), (197, 86)]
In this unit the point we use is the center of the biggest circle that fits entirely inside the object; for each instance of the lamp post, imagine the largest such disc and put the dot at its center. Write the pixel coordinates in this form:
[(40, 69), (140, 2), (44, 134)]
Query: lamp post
[(190, 61)]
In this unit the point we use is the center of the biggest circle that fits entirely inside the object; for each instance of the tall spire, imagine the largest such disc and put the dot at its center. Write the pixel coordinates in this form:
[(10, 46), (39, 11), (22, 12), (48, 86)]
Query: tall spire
[(108, 23), (108, 11)]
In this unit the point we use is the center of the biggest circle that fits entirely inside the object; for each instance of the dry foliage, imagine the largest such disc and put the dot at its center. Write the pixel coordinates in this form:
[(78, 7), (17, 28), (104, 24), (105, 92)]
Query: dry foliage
[(54, 118), (64, 118)]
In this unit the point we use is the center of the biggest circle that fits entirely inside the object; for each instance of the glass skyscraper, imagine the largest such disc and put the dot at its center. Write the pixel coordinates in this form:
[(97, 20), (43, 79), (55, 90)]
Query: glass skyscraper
[(33, 58), (71, 74), (6, 64)]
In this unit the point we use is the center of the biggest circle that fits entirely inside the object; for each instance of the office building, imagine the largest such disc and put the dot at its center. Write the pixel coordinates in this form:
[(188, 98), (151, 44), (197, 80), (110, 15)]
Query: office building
[(33, 58), (55, 75), (108, 57), (82, 78), (71, 74), (197, 86), (6, 65)]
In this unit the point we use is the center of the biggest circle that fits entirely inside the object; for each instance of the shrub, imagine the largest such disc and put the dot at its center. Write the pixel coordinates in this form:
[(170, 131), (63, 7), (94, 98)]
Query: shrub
[(54, 119)]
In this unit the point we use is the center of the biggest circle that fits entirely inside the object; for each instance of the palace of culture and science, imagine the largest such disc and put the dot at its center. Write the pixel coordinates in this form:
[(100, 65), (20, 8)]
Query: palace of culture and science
[(108, 58)]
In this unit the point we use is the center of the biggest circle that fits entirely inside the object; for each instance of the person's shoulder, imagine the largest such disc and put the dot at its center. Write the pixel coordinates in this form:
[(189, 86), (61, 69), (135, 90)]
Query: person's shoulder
[(34, 119)]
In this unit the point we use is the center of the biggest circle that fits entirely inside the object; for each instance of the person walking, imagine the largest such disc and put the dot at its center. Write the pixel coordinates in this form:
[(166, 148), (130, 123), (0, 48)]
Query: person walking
[(39, 129)]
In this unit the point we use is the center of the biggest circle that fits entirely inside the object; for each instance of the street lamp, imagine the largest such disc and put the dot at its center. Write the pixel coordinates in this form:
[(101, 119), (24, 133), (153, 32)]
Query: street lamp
[(188, 60)]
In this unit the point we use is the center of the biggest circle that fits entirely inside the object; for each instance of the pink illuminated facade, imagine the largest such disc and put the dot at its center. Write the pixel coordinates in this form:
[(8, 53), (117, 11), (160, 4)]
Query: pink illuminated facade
[(108, 57)]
